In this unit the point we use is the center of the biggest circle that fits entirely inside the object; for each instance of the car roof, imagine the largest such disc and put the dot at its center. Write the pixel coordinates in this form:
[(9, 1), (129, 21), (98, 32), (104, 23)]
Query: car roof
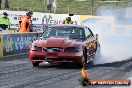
[(68, 25)]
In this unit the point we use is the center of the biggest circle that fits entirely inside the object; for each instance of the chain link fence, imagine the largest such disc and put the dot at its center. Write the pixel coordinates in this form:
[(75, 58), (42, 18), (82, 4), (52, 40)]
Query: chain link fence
[(89, 7)]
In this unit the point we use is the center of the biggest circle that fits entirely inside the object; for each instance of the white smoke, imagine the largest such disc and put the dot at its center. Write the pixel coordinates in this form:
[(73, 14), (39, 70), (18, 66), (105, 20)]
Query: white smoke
[(116, 45), (113, 50)]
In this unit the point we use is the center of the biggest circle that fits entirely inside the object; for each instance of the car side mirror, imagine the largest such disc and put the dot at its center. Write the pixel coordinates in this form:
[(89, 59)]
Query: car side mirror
[(88, 36)]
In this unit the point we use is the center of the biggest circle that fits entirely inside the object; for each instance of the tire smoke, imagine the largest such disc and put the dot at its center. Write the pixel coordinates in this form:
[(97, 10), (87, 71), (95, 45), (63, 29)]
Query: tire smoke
[(116, 43)]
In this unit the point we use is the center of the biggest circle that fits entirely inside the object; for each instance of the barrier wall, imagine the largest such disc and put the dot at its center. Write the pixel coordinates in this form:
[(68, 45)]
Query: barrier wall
[(16, 43)]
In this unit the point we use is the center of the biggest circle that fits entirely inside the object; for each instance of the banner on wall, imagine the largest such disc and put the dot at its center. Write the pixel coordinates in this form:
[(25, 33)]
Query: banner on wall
[(99, 24), (39, 20), (18, 43)]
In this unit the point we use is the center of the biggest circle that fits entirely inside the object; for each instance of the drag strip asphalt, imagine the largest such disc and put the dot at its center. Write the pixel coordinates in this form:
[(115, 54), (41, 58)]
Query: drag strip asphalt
[(18, 72)]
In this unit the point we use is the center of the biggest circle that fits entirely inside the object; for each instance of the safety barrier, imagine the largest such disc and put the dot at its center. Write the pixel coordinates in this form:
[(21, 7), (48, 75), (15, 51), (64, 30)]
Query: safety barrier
[(16, 43)]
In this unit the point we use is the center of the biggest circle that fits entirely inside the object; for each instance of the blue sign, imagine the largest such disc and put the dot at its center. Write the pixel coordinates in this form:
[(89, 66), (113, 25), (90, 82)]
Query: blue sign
[(18, 43)]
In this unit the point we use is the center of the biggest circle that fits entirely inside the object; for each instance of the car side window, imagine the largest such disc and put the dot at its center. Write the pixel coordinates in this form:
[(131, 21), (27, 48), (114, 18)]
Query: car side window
[(88, 33)]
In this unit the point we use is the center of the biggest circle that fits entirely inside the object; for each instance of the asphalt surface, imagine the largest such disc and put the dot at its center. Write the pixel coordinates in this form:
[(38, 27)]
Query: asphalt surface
[(17, 72)]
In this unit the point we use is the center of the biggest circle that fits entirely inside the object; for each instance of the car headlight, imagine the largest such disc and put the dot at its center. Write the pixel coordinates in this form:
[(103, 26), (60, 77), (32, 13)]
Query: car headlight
[(35, 48), (72, 49)]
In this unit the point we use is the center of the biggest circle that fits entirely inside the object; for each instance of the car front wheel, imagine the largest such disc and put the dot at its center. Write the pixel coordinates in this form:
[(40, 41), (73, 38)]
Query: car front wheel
[(86, 63), (35, 64)]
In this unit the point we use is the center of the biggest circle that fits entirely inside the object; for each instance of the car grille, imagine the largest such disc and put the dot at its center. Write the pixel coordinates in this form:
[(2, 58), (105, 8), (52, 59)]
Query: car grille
[(69, 49), (53, 49)]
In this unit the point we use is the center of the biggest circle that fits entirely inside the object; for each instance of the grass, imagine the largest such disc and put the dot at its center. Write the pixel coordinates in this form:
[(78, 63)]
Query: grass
[(67, 6)]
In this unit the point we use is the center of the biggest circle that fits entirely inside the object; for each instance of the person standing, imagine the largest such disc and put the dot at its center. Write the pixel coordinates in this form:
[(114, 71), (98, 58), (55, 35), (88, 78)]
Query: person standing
[(6, 4), (5, 22), (55, 4), (26, 25), (68, 21), (49, 6)]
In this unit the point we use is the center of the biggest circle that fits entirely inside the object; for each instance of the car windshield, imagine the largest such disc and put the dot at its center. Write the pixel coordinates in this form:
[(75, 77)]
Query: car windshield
[(71, 32)]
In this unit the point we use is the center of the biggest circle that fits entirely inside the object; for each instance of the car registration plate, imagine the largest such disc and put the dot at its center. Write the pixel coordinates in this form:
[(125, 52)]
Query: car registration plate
[(51, 55)]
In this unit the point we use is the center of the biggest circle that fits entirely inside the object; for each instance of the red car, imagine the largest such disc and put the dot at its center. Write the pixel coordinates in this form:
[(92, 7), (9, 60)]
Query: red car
[(65, 43)]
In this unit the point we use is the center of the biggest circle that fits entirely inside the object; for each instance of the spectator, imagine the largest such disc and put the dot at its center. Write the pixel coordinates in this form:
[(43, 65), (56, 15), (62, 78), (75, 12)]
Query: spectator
[(68, 21), (26, 25), (5, 22), (6, 4), (0, 3), (55, 4), (49, 6)]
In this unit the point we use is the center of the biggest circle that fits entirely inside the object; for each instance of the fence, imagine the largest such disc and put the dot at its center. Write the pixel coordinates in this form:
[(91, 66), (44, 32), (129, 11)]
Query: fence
[(89, 7)]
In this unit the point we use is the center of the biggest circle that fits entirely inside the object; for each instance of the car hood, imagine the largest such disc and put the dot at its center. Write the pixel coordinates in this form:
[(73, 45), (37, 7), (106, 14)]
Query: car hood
[(56, 42)]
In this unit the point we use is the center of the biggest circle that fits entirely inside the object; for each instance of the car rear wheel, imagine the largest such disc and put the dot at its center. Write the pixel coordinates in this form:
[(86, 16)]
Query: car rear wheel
[(35, 64)]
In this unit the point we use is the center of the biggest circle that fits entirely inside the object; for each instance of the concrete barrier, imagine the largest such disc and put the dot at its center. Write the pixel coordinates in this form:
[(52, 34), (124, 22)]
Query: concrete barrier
[(16, 43)]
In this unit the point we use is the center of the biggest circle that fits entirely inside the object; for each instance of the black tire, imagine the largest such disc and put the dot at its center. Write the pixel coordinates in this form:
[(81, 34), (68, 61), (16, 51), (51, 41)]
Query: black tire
[(84, 60), (35, 64)]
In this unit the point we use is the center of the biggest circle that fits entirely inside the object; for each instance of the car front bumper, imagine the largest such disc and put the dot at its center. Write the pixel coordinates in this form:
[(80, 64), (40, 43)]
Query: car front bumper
[(55, 56)]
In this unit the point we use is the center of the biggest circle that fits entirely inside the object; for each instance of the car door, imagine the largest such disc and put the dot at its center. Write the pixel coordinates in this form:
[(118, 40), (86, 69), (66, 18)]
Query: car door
[(90, 44)]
